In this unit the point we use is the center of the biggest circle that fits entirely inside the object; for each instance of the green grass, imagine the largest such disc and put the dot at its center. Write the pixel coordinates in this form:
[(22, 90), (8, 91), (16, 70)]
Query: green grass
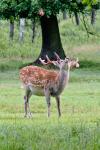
[(77, 129)]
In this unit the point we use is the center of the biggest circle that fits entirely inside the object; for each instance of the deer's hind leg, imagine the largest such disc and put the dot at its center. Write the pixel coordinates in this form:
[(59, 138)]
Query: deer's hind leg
[(47, 95), (27, 96)]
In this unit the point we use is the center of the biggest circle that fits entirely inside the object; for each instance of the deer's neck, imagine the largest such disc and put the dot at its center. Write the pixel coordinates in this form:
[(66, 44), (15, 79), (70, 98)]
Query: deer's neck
[(64, 75), (63, 79)]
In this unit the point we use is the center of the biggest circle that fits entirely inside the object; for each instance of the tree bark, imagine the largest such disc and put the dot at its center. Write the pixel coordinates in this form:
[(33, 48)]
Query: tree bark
[(33, 29), (93, 14), (77, 18), (21, 32), (51, 41), (11, 32), (64, 15)]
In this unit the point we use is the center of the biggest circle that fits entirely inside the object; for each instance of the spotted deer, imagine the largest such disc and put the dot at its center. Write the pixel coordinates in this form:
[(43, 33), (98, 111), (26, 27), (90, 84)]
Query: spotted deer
[(43, 82)]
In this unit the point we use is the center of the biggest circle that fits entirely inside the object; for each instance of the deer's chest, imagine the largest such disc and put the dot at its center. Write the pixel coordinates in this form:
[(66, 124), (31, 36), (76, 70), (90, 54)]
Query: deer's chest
[(58, 88)]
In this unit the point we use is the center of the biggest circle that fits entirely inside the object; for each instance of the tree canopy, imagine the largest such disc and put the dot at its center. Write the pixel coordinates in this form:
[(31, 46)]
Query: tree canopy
[(31, 8)]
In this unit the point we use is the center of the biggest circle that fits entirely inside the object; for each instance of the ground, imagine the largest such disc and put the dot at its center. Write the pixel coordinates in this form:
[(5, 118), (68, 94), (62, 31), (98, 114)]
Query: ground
[(78, 128)]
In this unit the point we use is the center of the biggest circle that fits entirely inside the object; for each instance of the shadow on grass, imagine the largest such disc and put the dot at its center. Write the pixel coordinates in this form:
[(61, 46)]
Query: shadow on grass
[(18, 64)]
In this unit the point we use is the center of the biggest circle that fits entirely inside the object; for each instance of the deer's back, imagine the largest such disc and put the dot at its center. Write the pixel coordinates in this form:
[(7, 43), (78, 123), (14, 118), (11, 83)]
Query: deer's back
[(37, 76)]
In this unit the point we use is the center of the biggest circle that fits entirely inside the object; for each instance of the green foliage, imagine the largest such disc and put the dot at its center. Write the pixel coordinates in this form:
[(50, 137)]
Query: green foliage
[(92, 3), (8, 8), (23, 8), (30, 8)]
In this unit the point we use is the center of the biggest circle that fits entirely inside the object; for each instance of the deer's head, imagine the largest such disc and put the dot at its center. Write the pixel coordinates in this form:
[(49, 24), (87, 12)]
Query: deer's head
[(73, 63)]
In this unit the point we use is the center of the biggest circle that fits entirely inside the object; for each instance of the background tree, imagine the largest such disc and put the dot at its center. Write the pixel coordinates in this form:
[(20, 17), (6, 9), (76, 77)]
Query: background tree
[(7, 10), (21, 29), (64, 15), (95, 7), (11, 34), (33, 29)]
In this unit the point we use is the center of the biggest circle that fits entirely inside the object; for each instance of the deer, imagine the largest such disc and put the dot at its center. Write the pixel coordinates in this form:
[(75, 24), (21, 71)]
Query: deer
[(49, 83)]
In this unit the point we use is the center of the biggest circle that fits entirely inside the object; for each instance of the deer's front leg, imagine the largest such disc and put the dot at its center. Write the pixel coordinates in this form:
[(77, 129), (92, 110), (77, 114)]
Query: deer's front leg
[(47, 95), (58, 105), (25, 105)]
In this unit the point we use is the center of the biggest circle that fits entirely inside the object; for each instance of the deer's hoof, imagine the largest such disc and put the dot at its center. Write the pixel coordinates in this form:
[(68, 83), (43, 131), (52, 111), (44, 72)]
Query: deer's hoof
[(29, 115)]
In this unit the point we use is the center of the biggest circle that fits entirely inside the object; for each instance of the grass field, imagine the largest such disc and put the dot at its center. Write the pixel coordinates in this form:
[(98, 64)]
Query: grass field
[(79, 126), (77, 129)]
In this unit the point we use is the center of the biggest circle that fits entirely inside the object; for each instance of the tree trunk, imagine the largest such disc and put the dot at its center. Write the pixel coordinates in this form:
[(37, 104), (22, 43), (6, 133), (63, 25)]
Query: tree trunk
[(93, 16), (64, 15), (77, 18), (11, 32), (33, 29), (51, 41), (21, 32)]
